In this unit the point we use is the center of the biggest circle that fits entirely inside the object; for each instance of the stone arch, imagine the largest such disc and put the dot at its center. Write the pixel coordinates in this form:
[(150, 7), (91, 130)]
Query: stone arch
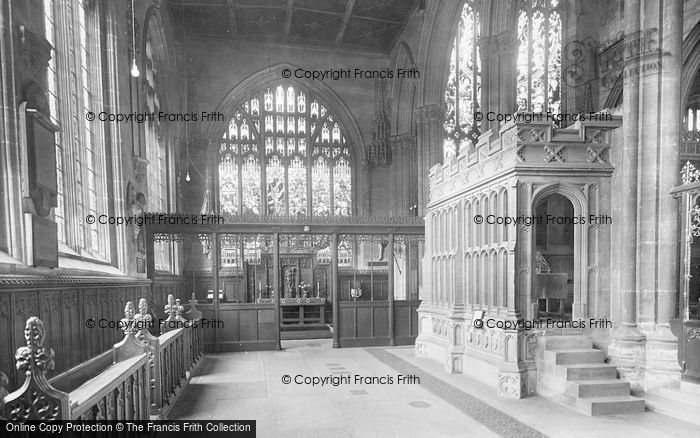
[(580, 205), (614, 98), (485, 231), (493, 209), (154, 28), (403, 94), (503, 211), (502, 276), (440, 24), (691, 62), (212, 130)]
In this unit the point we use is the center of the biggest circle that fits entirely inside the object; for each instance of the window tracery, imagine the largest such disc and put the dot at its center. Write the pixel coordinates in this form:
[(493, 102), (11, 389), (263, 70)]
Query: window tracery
[(156, 146), (463, 89), (286, 158), (539, 56), (70, 27)]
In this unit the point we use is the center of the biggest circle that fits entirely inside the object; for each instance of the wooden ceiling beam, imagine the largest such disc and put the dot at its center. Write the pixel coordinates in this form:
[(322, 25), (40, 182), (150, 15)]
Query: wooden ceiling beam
[(289, 18), (300, 9), (347, 15), (231, 6), (338, 14), (203, 4)]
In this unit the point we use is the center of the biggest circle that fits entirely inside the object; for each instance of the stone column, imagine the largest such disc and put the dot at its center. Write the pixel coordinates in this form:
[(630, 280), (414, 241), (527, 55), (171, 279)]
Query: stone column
[(364, 208), (626, 350), (215, 279), (508, 71), (391, 284), (403, 174), (334, 288), (662, 366), (276, 286), (430, 137), (489, 99)]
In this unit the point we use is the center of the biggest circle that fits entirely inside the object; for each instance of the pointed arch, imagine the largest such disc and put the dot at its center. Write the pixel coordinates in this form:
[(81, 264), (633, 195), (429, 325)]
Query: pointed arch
[(289, 150), (691, 62), (227, 105), (403, 93)]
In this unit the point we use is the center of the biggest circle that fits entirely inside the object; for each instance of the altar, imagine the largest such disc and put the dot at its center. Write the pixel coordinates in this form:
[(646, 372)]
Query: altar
[(303, 311)]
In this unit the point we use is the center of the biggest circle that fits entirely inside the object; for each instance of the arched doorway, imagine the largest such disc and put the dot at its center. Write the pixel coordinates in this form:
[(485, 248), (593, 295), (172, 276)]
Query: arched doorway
[(554, 257)]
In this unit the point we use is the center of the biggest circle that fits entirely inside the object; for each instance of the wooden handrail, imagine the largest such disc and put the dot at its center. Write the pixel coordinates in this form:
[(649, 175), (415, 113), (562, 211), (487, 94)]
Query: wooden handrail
[(127, 376), (169, 337), (71, 379), (140, 377)]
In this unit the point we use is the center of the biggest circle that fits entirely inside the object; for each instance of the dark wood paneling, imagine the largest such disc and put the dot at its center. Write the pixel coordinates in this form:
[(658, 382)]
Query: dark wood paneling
[(363, 324), (367, 323), (246, 327), (380, 322), (374, 287), (64, 304), (406, 322), (691, 373)]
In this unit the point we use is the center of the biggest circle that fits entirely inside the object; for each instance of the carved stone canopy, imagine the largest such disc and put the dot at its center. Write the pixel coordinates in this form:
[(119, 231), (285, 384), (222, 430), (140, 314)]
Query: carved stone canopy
[(402, 141), (140, 168), (430, 112), (33, 55)]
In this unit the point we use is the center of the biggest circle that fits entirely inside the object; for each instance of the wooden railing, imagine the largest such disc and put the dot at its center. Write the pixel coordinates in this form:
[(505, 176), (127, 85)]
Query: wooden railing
[(139, 378)]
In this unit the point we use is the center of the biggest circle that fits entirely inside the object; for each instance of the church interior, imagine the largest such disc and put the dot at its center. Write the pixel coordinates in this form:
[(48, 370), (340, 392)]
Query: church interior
[(349, 218)]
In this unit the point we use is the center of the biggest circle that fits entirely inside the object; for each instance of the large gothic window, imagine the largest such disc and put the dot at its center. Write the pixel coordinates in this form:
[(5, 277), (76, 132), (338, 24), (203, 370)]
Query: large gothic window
[(284, 153), (463, 88), (52, 93), (73, 29), (156, 145), (539, 56)]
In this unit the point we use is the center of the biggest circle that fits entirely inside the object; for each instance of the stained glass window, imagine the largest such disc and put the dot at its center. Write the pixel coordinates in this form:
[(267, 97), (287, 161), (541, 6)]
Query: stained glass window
[(693, 120), (72, 27), (342, 178), (284, 157), (539, 56), (156, 147), (90, 167), (321, 180), (52, 93), (463, 89)]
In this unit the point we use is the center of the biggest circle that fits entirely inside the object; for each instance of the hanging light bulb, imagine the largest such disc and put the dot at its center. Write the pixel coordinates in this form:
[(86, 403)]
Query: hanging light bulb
[(187, 177), (134, 69)]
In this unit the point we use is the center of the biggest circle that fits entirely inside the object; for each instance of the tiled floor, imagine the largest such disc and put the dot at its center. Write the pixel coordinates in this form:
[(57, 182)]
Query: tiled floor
[(245, 386)]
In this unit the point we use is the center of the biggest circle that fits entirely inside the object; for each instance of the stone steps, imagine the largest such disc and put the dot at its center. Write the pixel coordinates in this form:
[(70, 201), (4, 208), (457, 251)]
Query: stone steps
[(575, 356), (597, 388), (589, 383), (610, 405), (567, 342), (587, 371), (676, 403)]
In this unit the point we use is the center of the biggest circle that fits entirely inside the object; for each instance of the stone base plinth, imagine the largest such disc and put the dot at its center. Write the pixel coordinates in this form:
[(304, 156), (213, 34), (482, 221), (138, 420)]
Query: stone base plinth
[(512, 384), (627, 352)]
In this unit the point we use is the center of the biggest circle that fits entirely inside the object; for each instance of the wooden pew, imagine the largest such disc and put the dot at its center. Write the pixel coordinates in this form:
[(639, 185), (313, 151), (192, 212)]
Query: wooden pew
[(139, 378)]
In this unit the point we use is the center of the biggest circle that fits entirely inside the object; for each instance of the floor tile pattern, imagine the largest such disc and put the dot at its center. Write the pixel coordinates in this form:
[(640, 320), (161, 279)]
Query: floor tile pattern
[(498, 421)]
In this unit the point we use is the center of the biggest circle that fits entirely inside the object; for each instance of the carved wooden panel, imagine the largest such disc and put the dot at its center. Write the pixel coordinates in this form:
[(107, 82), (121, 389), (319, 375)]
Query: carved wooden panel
[(64, 305)]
